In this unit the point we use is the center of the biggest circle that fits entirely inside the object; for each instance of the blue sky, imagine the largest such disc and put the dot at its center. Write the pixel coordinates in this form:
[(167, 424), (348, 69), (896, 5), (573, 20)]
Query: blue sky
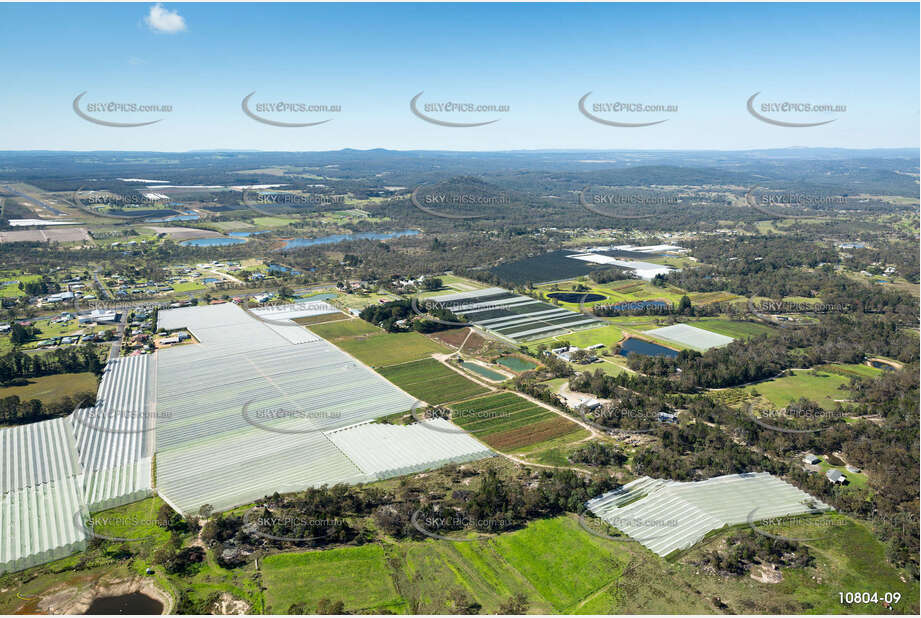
[(538, 59)]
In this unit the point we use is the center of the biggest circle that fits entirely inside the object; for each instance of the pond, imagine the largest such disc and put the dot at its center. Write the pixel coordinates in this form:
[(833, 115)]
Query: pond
[(883, 366), (221, 241), (483, 371), (131, 603), (334, 238), (278, 268), (576, 297), (645, 347), (516, 364), (187, 217)]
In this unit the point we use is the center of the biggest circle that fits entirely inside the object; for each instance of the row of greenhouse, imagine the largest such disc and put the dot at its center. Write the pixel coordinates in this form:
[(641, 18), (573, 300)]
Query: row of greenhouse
[(666, 516)]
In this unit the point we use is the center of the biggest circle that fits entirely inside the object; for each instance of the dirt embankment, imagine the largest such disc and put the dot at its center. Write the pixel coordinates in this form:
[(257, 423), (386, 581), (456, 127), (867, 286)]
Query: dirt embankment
[(76, 600)]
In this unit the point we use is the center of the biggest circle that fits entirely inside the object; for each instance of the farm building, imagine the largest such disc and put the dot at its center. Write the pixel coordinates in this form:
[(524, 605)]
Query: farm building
[(41, 495), (810, 459), (665, 516), (255, 407), (690, 336), (244, 413), (385, 451), (514, 317)]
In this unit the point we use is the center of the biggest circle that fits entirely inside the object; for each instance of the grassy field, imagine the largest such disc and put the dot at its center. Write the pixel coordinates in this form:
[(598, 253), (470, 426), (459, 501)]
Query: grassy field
[(607, 335), (385, 349), (322, 318), (48, 389), (615, 291), (432, 382), (506, 421), (346, 329), (733, 328), (822, 387), (357, 576)]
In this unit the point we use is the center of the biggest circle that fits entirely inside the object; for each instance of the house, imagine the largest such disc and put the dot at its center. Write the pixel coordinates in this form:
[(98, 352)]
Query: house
[(835, 476), (665, 417), (810, 459)]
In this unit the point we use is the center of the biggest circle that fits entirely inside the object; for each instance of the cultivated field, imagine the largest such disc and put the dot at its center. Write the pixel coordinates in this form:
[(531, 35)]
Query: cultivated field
[(432, 382), (506, 421)]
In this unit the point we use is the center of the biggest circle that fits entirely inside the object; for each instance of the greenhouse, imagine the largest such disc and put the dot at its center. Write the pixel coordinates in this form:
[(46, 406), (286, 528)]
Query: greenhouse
[(242, 414), (665, 516), (384, 451)]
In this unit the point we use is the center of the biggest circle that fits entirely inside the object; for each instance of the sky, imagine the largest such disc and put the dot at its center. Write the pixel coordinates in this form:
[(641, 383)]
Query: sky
[(535, 61)]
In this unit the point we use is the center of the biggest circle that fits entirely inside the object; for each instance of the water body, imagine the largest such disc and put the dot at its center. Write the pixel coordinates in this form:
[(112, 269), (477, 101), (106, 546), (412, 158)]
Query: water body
[(132, 603), (576, 297), (278, 268), (213, 242), (483, 371), (334, 238), (516, 364), (190, 217), (883, 366), (645, 347)]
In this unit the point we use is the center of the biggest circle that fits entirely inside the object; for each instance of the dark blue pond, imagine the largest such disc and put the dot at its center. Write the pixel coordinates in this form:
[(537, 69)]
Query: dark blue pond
[(644, 347), (329, 240)]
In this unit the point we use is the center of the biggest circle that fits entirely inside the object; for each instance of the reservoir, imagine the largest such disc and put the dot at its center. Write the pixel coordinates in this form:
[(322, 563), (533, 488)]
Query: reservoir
[(640, 346)]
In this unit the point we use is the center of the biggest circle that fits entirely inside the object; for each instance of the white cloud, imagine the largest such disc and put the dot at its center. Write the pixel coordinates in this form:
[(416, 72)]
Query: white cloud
[(163, 21)]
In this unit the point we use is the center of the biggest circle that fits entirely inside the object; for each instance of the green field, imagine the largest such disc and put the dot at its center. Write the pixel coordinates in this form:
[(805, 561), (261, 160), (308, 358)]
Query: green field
[(607, 335), (386, 349), (733, 328), (432, 382), (49, 389), (615, 291), (345, 328), (357, 576), (821, 387)]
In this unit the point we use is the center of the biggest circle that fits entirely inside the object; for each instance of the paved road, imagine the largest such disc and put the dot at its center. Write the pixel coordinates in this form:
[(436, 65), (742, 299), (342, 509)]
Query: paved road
[(35, 201)]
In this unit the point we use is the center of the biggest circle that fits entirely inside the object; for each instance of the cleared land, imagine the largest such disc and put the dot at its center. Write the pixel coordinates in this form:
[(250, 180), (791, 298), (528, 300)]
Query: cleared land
[(432, 382), (822, 387), (48, 389), (357, 576), (506, 421), (374, 346), (387, 349), (733, 328)]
